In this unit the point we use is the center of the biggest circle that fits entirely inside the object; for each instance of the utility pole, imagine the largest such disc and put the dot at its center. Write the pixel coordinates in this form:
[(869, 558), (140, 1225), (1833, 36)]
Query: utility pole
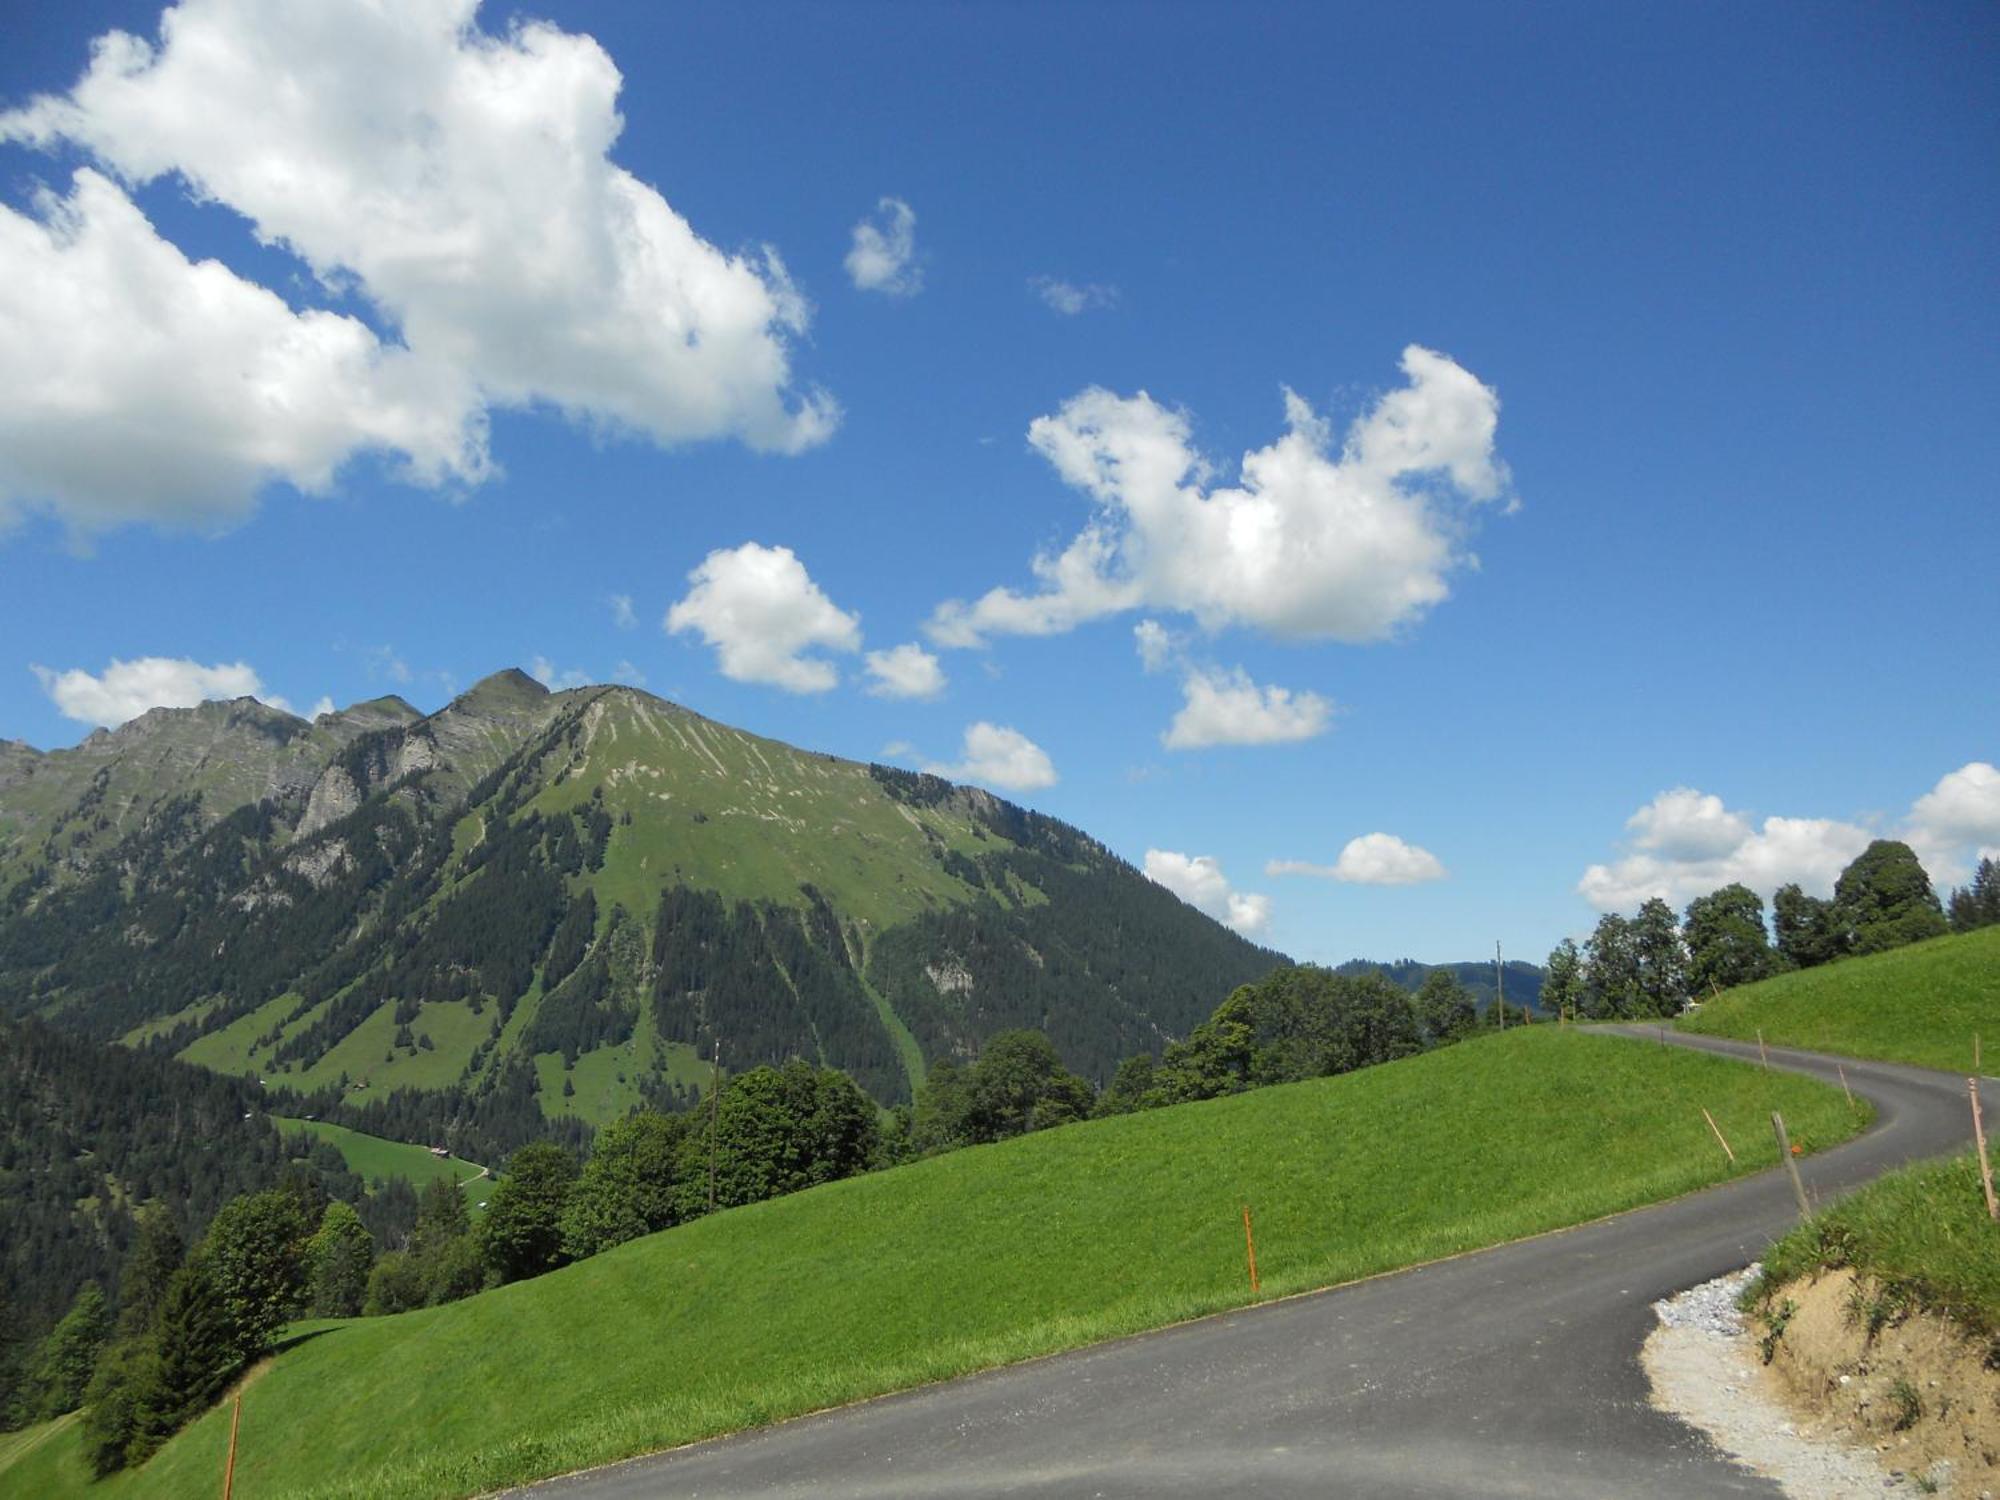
[(1500, 985), (714, 1107)]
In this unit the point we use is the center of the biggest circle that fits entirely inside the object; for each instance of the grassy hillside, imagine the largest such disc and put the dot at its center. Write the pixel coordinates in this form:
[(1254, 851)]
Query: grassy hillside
[(376, 1160), (983, 1257), (1920, 1004)]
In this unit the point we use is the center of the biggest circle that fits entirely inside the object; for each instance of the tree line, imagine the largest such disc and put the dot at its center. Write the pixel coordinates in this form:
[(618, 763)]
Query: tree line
[(1653, 963)]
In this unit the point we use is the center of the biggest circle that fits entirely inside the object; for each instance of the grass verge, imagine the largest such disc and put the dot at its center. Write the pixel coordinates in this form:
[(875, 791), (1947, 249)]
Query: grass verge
[(1921, 1004), (988, 1256), (1921, 1238)]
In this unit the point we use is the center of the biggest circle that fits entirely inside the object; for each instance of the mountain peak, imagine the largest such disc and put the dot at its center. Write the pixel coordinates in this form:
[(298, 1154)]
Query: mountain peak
[(375, 713), (508, 688)]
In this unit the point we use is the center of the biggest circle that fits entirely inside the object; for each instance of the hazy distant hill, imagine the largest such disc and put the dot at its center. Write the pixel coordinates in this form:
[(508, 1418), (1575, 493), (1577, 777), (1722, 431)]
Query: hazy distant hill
[(592, 885), (1524, 980)]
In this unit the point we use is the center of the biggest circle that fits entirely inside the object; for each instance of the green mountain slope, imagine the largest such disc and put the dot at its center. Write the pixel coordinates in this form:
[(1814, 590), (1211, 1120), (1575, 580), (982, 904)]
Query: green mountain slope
[(993, 1254), (574, 896)]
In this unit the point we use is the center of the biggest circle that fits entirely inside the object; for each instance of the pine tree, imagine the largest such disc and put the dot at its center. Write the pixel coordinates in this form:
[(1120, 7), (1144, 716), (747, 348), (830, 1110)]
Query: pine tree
[(149, 1266), (339, 1257), (197, 1350)]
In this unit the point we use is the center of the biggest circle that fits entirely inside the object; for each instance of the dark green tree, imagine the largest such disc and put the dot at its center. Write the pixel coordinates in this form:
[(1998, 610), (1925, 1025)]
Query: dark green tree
[(1884, 900), (197, 1348), (1444, 1008), (630, 1185), (1128, 1088), (395, 1285), (1562, 983), (1019, 1084), (1978, 904), (777, 1130), (1610, 971), (1726, 941), (339, 1257), (149, 1265), (255, 1256), (63, 1362), (1662, 959), (114, 1404), (1807, 930), (937, 1120), (521, 1235), (441, 1216)]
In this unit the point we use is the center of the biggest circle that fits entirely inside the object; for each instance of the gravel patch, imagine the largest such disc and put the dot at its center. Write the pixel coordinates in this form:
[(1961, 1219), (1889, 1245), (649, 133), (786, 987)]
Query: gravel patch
[(1706, 1370)]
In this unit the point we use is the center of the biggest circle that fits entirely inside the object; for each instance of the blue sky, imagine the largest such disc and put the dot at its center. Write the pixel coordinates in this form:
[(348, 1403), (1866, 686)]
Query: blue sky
[(1720, 281)]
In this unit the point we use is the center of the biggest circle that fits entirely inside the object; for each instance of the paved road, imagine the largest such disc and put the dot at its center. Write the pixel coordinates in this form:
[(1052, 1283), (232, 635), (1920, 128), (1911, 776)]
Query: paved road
[(1511, 1372)]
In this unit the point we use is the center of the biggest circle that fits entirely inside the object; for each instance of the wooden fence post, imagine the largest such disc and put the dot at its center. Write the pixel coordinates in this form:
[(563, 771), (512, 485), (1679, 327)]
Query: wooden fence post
[(1250, 1245), (1791, 1164), (1842, 1070), (229, 1466), (1719, 1136), (1985, 1166), (1761, 1053)]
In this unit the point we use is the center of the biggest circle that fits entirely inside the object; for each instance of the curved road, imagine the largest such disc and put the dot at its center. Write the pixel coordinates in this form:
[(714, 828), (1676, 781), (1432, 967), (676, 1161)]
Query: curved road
[(1508, 1372)]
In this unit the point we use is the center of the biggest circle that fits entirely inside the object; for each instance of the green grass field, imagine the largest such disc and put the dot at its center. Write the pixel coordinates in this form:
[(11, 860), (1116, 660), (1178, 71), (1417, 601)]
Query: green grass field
[(1921, 1234), (1921, 1004), (984, 1257), (377, 1160)]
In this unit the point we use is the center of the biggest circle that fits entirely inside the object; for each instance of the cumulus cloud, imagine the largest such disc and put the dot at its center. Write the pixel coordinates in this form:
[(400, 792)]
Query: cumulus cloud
[(323, 707), (457, 182), (126, 689), (998, 756), (760, 610), (623, 615), (1068, 298), (1227, 708), (1198, 880), (1371, 859), (1686, 843), (1313, 542), (1957, 820), (906, 671), (883, 257), (628, 674)]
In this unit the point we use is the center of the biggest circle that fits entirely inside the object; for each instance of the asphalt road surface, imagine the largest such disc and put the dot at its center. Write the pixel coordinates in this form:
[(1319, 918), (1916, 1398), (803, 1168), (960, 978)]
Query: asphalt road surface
[(1512, 1371)]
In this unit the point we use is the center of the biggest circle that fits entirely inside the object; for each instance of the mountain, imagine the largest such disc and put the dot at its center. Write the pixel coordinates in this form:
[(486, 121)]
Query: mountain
[(572, 896), (1524, 980)]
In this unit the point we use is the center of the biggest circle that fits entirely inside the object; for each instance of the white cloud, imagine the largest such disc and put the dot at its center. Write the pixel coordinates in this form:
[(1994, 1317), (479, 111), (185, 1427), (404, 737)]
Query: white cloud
[(137, 385), (1956, 820), (1068, 298), (1157, 645), (1227, 708), (1687, 844), (554, 679), (1684, 824), (1371, 859), (623, 615), (884, 254), (1198, 880), (126, 689), (628, 674), (906, 671), (760, 610), (897, 749), (322, 707), (997, 756), (1311, 544), (457, 182)]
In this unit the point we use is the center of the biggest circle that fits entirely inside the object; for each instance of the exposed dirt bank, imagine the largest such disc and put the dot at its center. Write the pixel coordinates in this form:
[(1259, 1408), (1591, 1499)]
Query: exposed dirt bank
[(1839, 1411), (1914, 1388)]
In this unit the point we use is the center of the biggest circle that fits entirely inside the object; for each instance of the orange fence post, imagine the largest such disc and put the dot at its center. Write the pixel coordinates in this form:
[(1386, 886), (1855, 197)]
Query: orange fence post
[(1250, 1245), (229, 1467)]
